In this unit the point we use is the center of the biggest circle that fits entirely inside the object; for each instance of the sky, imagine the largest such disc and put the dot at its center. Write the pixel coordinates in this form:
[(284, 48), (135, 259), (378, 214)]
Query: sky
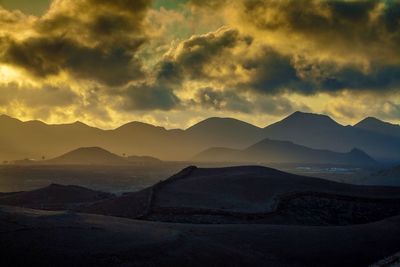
[(174, 63)]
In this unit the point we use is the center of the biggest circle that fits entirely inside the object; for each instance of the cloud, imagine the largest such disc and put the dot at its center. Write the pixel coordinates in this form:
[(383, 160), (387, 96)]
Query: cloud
[(46, 56), (355, 106), (242, 57), (221, 100), (203, 56), (148, 97), (232, 101), (47, 95), (364, 32), (98, 44)]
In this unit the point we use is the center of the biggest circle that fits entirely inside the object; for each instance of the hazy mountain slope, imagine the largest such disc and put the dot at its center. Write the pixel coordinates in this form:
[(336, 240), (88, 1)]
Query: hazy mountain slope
[(88, 156), (378, 126), (272, 151), (34, 139), (321, 132), (224, 132), (19, 140), (137, 138), (38, 238)]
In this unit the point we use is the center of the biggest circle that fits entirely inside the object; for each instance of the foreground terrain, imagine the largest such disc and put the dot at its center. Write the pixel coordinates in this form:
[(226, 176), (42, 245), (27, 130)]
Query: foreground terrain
[(237, 216), (38, 238)]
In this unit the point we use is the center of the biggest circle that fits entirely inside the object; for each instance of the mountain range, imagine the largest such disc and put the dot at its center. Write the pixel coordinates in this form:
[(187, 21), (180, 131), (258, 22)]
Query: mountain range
[(35, 139), (272, 151)]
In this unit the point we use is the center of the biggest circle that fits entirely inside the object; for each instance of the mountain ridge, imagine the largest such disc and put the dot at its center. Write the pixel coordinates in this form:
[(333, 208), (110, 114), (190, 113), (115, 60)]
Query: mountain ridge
[(36, 140), (270, 151)]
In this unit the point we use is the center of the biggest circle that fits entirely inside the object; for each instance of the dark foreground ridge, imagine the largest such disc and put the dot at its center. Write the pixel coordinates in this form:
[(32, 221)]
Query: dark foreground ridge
[(235, 195), (253, 195), (72, 239), (238, 216), (248, 194)]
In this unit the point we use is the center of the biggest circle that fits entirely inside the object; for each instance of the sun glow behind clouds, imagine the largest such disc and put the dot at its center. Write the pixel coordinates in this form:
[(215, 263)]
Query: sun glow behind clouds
[(8, 74)]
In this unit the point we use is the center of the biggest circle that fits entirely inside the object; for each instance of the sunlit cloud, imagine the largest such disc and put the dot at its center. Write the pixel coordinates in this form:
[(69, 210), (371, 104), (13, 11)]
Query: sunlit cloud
[(172, 63)]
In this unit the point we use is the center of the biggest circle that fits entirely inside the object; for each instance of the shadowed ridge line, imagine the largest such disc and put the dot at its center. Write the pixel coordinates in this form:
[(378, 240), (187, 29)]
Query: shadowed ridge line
[(153, 190)]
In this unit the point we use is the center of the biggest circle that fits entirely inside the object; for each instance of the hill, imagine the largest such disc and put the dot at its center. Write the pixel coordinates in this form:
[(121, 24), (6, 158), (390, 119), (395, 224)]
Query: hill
[(252, 194), (378, 126), (272, 151), (54, 197), (88, 156), (321, 132)]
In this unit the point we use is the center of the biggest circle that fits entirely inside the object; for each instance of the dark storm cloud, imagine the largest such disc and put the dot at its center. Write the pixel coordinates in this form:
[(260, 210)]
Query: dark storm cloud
[(90, 39), (222, 100), (342, 26), (208, 3), (274, 73), (380, 78), (232, 101), (317, 45), (195, 55), (44, 56), (148, 97), (46, 96)]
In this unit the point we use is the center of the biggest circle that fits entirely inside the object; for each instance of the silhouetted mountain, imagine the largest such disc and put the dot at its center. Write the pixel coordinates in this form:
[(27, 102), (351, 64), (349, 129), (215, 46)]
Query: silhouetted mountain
[(35, 140), (54, 197), (225, 132), (321, 132), (378, 126), (88, 156), (272, 151)]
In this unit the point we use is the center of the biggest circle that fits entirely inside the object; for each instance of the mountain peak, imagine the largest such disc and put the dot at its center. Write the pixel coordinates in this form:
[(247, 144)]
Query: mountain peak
[(309, 120), (6, 118), (371, 122), (219, 122), (138, 125), (375, 125), (307, 115)]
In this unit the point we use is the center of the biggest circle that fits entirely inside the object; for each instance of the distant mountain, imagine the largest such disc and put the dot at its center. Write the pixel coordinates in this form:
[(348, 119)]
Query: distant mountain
[(225, 132), (34, 139), (378, 126), (272, 151), (54, 197), (321, 132), (88, 156), (37, 140)]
